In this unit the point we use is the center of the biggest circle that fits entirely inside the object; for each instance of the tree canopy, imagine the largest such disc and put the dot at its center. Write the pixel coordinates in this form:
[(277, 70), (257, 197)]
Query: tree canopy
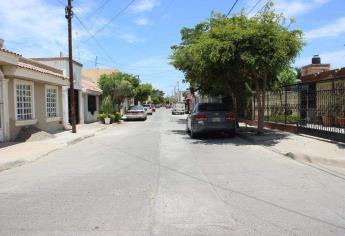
[(143, 92), (224, 56)]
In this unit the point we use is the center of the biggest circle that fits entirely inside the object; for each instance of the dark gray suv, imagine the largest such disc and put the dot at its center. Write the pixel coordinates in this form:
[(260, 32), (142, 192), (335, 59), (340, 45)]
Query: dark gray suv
[(211, 117)]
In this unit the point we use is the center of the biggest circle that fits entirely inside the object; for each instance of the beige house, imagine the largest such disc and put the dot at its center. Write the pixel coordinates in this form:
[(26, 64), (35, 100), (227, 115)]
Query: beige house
[(62, 63), (94, 76), (30, 95)]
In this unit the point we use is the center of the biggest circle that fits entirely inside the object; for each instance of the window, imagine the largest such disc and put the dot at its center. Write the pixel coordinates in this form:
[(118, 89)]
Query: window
[(24, 100), (51, 101)]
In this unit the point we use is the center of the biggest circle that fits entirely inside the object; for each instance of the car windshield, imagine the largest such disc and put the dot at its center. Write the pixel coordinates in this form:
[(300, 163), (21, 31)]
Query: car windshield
[(136, 108), (212, 107), (146, 105)]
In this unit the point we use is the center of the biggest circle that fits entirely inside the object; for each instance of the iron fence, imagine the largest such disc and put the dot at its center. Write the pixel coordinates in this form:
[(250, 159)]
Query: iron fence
[(316, 109)]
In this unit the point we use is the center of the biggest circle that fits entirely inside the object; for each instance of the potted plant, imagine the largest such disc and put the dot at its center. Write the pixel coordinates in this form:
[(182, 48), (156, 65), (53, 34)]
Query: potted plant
[(341, 119), (327, 120), (108, 109)]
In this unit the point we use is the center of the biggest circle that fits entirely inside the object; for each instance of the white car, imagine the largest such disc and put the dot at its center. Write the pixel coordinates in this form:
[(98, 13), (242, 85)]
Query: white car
[(178, 108), (148, 109)]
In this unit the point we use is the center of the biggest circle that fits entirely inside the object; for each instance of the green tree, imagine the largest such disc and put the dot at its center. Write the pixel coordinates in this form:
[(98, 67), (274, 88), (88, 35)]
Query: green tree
[(143, 92), (118, 86), (157, 96), (225, 56)]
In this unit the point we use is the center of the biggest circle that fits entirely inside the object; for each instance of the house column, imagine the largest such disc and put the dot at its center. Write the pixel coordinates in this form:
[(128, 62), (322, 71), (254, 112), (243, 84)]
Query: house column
[(5, 119), (65, 107), (81, 107)]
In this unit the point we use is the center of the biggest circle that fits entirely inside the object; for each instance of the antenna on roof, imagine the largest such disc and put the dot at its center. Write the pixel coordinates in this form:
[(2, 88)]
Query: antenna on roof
[(96, 62), (77, 45)]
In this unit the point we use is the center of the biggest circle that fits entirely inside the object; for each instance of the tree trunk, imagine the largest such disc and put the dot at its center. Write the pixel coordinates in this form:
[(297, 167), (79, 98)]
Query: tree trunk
[(260, 94)]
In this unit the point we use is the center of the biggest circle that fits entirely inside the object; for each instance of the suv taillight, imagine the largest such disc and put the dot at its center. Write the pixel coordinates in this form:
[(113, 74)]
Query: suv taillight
[(200, 117), (230, 116)]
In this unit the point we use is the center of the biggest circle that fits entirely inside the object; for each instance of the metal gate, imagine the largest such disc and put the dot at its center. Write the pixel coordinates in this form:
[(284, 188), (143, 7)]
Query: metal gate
[(322, 109), (316, 108)]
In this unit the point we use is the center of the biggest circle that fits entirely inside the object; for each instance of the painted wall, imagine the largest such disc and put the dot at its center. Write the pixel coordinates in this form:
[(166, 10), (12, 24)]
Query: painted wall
[(40, 110), (89, 118)]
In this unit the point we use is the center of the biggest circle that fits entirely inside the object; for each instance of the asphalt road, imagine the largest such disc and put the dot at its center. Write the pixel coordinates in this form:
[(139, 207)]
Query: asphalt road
[(150, 178)]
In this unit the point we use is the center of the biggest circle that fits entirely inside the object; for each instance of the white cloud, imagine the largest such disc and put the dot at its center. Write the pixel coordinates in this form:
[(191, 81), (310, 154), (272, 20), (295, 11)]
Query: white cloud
[(36, 28), (335, 58), (45, 28), (142, 21), (330, 30), (145, 5), (297, 7)]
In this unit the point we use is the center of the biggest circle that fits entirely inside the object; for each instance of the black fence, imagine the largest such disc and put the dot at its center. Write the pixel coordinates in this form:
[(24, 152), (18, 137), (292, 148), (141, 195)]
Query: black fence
[(316, 109)]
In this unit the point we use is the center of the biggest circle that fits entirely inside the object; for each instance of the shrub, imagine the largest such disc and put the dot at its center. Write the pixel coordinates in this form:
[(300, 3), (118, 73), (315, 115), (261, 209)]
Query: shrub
[(102, 116), (117, 117), (111, 116), (107, 106)]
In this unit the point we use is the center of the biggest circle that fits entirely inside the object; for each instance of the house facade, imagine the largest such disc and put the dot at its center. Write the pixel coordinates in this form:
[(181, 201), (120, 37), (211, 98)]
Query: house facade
[(62, 63), (94, 76), (91, 98), (30, 95)]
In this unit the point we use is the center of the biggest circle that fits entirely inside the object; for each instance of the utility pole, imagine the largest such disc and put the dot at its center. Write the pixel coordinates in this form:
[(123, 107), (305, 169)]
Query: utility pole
[(69, 14)]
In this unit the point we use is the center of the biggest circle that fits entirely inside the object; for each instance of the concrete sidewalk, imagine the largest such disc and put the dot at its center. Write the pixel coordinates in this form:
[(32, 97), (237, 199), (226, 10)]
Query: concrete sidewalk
[(21, 153), (298, 147)]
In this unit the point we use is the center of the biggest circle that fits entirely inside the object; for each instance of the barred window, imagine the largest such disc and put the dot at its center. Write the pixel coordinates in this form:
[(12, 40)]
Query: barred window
[(51, 101), (24, 101)]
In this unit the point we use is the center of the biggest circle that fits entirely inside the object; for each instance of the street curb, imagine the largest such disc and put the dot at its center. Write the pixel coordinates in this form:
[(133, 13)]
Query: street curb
[(316, 160), (300, 156)]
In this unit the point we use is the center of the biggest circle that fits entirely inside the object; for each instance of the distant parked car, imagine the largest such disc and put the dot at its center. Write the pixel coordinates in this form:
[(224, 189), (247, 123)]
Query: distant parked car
[(167, 106), (211, 117), (148, 109), (153, 107), (178, 108), (135, 113)]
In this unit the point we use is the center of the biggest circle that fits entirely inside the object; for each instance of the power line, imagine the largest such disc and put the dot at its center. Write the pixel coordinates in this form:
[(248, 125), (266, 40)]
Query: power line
[(96, 41), (263, 7), (98, 9), (233, 6), (111, 20), (60, 2), (256, 4)]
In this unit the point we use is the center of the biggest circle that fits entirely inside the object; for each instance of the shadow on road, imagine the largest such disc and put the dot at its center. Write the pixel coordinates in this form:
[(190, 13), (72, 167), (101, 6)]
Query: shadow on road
[(242, 138)]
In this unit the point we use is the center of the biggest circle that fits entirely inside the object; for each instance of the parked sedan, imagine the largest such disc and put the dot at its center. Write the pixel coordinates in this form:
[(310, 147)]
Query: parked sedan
[(211, 117), (148, 109), (135, 113)]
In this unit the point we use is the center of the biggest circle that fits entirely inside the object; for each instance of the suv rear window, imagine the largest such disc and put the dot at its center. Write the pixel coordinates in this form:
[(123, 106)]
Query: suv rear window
[(136, 108), (213, 107)]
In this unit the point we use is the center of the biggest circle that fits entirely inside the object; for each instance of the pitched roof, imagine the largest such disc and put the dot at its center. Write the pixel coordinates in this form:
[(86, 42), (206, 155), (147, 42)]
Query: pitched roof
[(55, 59), (89, 84), (331, 74), (10, 52), (40, 69)]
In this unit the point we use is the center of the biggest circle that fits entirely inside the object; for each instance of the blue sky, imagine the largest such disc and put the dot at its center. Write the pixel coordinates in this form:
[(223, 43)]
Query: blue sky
[(138, 40)]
